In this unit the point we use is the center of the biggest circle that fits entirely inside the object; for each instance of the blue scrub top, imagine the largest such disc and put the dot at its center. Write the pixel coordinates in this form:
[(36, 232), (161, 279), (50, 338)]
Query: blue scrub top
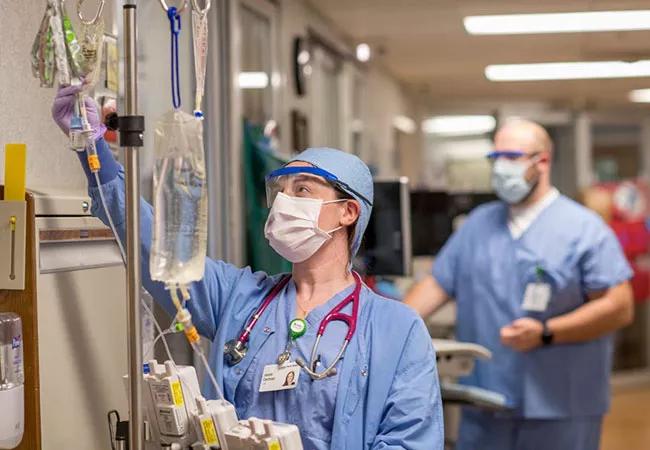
[(385, 393), (487, 271)]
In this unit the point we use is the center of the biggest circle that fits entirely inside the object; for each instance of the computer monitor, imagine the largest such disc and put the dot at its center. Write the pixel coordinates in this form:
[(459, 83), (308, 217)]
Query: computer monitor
[(386, 248), (461, 204), (430, 221), (435, 215)]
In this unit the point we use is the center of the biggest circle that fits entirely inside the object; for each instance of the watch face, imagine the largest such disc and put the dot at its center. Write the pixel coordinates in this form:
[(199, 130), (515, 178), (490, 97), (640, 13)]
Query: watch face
[(547, 336)]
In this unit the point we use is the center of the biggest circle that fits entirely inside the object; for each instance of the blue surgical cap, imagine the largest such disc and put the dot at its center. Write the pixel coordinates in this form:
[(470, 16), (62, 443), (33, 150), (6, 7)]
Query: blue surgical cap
[(351, 171)]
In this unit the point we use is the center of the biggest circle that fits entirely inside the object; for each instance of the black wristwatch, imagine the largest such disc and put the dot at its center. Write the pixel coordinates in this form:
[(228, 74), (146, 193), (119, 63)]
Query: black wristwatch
[(547, 335)]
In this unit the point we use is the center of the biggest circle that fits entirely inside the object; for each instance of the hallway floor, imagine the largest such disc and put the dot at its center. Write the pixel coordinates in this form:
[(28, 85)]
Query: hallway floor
[(627, 427)]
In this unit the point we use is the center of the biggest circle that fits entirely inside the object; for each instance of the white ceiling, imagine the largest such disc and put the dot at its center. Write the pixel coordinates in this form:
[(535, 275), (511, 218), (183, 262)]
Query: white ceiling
[(423, 43)]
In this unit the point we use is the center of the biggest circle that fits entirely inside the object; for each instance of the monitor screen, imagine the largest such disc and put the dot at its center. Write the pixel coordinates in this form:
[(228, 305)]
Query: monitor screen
[(386, 248), (430, 221), (436, 215)]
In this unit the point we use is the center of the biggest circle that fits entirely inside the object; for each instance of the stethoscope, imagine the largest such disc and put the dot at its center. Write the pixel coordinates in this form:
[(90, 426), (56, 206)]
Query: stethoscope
[(235, 350)]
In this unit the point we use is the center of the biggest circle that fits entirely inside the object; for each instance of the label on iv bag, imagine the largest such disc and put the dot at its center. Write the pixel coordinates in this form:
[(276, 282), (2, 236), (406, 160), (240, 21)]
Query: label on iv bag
[(536, 297), (274, 445)]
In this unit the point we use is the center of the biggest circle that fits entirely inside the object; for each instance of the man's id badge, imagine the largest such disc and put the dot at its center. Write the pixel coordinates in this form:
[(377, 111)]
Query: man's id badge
[(536, 297), (280, 378)]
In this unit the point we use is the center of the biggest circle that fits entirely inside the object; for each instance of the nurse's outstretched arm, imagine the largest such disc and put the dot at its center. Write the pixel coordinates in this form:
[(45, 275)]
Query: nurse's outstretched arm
[(426, 296), (207, 295), (412, 417)]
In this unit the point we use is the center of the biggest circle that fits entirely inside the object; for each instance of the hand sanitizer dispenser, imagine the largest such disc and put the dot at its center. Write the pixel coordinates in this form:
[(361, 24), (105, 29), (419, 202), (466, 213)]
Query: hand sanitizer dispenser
[(12, 381)]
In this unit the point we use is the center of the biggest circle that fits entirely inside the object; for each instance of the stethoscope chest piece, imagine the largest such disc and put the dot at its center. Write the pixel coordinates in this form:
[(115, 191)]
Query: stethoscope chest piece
[(235, 350)]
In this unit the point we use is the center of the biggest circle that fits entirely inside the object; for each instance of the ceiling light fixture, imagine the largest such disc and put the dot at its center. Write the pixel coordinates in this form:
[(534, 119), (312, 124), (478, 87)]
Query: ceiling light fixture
[(458, 125), (363, 52), (573, 22), (567, 70), (640, 96), (253, 80)]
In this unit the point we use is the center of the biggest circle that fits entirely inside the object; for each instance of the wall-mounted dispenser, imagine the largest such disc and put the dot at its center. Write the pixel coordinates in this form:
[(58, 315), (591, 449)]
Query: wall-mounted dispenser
[(12, 381)]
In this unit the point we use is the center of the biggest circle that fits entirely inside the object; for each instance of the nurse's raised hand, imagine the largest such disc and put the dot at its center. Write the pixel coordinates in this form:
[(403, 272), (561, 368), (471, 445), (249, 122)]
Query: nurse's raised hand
[(523, 334), (63, 108)]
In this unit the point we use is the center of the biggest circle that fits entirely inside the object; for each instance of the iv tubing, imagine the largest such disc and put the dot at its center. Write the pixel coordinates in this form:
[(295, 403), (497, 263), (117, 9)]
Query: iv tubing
[(161, 334), (206, 366)]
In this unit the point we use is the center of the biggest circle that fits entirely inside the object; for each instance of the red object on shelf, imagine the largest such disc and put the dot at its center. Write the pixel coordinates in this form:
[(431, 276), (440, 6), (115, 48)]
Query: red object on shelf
[(630, 210), (640, 284), (633, 236)]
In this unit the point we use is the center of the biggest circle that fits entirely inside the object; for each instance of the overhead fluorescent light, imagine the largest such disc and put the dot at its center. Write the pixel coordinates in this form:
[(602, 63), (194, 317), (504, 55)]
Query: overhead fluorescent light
[(363, 52), (458, 125), (574, 22), (404, 124), (567, 71), (640, 96), (253, 80)]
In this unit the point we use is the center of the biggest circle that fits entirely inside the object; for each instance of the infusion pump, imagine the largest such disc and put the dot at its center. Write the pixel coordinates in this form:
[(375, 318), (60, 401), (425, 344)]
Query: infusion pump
[(177, 417)]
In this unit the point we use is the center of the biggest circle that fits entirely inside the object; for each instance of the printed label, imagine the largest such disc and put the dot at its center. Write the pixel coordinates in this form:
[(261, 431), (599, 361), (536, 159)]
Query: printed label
[(160, 392), (209, 432), (178, 393)]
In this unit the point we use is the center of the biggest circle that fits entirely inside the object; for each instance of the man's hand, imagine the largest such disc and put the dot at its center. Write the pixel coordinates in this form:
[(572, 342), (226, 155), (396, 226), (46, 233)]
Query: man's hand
[(523, 334)]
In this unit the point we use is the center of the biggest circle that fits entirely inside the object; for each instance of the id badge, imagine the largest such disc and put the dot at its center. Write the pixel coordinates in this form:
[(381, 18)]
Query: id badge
[(536, 297), (280, 378)]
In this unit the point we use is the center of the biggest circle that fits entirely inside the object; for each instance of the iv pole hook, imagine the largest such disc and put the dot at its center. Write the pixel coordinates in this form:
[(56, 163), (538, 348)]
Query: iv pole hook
[(97, 16), (180, 9), (195, 6)]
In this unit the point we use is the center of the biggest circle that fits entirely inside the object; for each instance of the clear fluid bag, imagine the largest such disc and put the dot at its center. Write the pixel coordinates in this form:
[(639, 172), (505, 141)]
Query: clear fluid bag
[(180, 200)]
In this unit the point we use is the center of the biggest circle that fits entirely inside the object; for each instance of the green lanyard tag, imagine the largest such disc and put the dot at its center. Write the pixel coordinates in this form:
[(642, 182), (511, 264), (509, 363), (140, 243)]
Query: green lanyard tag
[(297, 329)]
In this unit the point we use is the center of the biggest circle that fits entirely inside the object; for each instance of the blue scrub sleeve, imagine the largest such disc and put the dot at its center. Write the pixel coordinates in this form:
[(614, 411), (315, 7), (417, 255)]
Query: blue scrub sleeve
[(207, 296), (603, 264), (412, 417), (445, 265)]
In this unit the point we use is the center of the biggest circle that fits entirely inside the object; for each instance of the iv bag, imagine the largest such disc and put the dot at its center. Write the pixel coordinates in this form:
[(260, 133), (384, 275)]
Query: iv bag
[(92, 43), (180, 200)]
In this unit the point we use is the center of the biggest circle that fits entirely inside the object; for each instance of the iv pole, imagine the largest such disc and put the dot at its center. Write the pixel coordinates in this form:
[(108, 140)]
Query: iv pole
[(131, 127)]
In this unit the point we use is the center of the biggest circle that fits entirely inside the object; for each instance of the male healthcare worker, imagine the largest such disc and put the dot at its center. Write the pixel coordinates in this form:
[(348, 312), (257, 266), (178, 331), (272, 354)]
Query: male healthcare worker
[(383, 393), (541, 282)]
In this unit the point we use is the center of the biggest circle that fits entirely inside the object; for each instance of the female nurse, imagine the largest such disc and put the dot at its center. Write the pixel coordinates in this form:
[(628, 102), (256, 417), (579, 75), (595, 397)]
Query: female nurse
[(368, 381)]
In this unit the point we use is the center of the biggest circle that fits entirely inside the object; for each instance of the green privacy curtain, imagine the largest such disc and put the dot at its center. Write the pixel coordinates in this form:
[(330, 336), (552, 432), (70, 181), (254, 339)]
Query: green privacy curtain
[(259, 160)]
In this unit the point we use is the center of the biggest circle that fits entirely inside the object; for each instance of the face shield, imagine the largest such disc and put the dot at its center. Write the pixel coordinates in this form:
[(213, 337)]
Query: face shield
[(304, 182)]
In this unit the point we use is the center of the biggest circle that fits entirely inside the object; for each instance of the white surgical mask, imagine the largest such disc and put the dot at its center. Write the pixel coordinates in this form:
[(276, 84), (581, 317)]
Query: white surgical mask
[(509, 180), (292, 227)]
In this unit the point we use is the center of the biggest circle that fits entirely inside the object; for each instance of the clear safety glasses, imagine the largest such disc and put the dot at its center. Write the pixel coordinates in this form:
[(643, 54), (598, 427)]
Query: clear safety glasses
[(507, 154), (511, 155), (304, 182)]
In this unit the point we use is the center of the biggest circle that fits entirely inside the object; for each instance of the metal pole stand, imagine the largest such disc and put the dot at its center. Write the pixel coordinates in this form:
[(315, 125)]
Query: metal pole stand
[(131, 127)]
